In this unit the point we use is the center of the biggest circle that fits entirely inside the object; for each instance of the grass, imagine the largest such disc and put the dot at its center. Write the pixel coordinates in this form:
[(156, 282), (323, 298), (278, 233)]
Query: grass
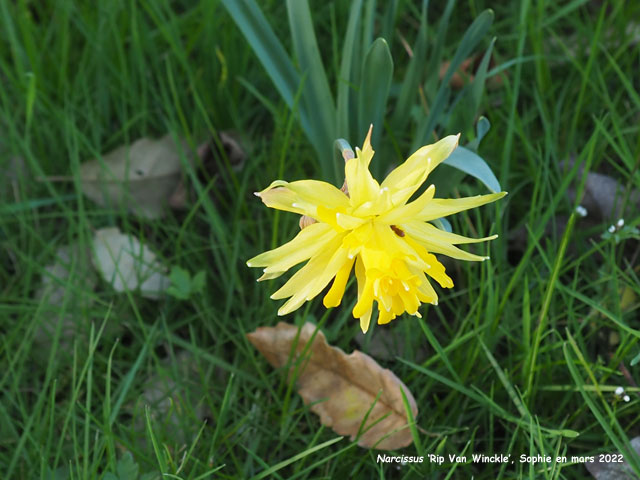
[(521, 357)]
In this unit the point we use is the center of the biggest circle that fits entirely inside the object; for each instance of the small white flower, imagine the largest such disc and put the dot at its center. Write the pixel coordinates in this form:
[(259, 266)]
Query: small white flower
[(612, 228), (580, 210), (620, 223), (626, 398), (619, 391)]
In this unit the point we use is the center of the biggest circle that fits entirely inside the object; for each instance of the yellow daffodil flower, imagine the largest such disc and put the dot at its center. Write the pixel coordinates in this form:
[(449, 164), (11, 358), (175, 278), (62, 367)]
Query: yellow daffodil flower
[(370, 228)]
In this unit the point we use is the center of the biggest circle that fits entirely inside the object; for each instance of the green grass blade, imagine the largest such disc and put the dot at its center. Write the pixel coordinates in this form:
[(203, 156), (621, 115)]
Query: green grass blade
[(274, 58), (411, 81), (620, 441), (470, 40), (295, 458), (317, 100)]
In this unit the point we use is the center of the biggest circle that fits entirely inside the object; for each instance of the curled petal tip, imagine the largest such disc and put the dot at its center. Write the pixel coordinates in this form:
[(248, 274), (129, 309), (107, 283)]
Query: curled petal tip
[(257, 194)]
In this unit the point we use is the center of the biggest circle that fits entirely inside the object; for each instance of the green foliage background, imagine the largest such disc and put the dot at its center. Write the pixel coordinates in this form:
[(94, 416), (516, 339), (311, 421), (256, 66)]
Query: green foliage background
[(520, 357)]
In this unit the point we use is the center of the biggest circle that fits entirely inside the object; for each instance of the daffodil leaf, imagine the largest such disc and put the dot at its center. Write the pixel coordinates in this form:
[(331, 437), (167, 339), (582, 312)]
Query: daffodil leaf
[(443, 224), (317, 99), (347, 67), (264, 42), (352, 394), (482, 128), (471, 163), (377, 70)]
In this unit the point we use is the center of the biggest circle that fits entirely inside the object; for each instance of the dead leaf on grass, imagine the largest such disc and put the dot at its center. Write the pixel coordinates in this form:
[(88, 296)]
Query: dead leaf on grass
[(141, 177), (341, 388), (127, 264)]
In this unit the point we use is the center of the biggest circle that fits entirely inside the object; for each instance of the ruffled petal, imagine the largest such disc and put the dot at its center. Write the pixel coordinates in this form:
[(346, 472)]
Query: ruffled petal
[(360, 183), (410, 210), (304, 245), (405, 180), (440, 207), (322, 275)]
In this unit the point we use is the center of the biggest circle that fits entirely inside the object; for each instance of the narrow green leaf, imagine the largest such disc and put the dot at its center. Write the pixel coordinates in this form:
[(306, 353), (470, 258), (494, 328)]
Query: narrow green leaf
[(477, 87), (317, 99), (295, 458), (377, 70), (274, 58), (435, 58), (346, 67), (469, 162)]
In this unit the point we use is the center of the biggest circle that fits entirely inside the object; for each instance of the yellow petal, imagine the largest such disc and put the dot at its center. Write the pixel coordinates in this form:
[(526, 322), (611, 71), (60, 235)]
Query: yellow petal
[(433, 233), (303, 246), (365, 300), (303, 196), (365, 320), (423, 235), (435, 269), (440, 207), (407, 178), (335, 293), (407, 212), (322, 275), (365, 307), (307, 275), (426, 293), (360, 183), (384, 317)]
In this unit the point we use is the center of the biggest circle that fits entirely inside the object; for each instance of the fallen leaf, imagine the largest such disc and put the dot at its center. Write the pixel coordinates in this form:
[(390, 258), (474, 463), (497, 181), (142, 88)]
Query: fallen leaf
[(127, 264), (64, 284), (341, 388), (141, 177), (602, 470)]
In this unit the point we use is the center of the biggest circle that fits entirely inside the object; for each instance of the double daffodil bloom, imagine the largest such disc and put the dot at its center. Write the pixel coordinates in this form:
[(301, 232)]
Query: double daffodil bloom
[(370, 228)]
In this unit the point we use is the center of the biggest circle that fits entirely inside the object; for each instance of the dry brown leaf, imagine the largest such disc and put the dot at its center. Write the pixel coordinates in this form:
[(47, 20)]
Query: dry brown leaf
[(140, 177), (341, 388)]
